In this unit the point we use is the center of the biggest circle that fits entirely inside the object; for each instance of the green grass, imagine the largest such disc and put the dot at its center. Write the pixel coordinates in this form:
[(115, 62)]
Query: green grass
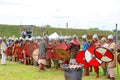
[(9, 30), (18, 71)]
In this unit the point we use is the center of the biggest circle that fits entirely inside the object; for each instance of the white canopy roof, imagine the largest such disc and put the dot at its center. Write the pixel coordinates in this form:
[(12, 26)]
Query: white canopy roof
[(54, 36)]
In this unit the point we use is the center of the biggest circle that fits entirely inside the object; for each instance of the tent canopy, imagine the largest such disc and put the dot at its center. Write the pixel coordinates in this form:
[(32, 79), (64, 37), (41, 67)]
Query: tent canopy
[(54, 36)]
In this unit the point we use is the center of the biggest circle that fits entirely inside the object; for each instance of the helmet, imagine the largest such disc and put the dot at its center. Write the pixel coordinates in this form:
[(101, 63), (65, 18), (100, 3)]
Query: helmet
[(95, 36), (110, 36), (84, 37), (103, 39)]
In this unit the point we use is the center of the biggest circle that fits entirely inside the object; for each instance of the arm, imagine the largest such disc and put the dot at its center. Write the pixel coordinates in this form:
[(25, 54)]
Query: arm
[(69, 47)]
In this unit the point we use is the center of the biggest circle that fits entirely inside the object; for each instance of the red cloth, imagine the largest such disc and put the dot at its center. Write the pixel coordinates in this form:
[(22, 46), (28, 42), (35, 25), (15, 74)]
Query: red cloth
[(97, 44), (74, 41), (20, 55), (9, 51), (26, 50), (65, 62), (96, 69)]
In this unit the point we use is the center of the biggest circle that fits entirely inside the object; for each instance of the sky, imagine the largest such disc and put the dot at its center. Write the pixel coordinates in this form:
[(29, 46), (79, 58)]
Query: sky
[(82, 14)]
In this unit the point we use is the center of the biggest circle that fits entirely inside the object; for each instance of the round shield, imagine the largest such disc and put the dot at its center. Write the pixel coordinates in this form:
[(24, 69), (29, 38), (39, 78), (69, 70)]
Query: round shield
[(35, 54), (91, 58), (50, 53), (56, 56), (80, 58), (19, 53), (31, 48), (62, 53), (103, 54), (9, 51), (118, 58)]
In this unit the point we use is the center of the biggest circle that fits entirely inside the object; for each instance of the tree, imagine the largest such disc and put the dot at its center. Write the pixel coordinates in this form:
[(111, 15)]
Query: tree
[(94, 28), (47, 26)]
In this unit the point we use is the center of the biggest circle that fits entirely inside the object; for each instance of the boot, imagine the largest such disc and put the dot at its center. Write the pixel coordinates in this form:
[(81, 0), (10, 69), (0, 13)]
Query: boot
[(86, 72), (108, 76), (90, 69), (28, 61), (10, 59), (112, 78), (15, 59), (97, 75), (41, 66)]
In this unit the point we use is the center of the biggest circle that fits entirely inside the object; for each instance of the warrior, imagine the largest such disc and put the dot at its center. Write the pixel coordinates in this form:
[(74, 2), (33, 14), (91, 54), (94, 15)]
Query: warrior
[(3, 51), (104, 64), (55, 60), (0, 46), (25, 51), (111, 65), (49, 54), (9, 48), (74, 47), (15, 50), (96, 43), (42, 55), (86, 45)]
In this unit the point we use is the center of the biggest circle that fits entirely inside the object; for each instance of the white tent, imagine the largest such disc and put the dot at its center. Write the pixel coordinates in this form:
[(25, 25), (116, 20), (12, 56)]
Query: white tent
[(54, 36)]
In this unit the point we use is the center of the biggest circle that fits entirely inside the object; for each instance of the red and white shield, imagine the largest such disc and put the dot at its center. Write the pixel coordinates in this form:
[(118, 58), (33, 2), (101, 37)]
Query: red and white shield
[(91, 58), (80, 58), (103, 54)]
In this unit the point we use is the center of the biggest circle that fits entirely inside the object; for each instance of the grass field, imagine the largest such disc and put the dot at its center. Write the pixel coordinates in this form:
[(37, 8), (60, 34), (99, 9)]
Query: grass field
[(18, 71), (9, 30)]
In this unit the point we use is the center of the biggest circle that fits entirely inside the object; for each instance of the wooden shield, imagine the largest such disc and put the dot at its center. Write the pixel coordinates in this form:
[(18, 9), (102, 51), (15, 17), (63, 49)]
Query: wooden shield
[(19, 53), (35, 54), (9, 51), (31, 47), (103, 54), (62, 53), (91, 58), (50, 52)]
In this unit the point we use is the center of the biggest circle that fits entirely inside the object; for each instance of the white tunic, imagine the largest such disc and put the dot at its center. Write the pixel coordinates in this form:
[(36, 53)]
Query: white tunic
[(104, 45), (3, 48)]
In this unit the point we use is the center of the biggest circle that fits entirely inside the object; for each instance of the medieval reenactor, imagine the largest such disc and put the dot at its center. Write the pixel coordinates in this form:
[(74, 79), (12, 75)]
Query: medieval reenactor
[(25, 51), (86, 45), (23, 34), (15, 50), (55, 57), (42, 55), (73, 47), (111, 65), (104, 64), (3, 51), (49, 55), (96, 43)]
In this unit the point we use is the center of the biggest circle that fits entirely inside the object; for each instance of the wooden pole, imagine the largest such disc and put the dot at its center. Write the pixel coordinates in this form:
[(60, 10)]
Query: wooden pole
[(116, 33)]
